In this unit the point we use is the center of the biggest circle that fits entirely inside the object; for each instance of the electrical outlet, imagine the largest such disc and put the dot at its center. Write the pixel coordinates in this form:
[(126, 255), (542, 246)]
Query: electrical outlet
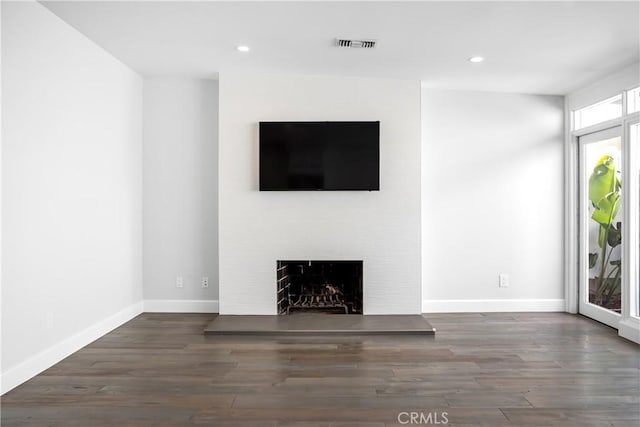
[(503, 280), (205, 282), (179, 282)]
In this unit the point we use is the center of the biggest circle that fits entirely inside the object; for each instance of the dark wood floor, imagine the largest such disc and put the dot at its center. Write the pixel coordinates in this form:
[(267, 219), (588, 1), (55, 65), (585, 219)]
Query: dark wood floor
[(527, 369)]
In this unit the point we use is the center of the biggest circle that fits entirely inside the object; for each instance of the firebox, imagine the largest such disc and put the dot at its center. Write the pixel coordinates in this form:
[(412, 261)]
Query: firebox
[(333, 287)]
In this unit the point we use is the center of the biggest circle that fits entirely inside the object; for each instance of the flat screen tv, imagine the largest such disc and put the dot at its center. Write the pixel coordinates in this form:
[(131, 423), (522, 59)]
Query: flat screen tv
[(319, 156)]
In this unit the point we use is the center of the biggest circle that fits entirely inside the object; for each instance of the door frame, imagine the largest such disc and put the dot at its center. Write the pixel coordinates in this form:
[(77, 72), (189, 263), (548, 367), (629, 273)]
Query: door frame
[(628, 324), (585, 307)]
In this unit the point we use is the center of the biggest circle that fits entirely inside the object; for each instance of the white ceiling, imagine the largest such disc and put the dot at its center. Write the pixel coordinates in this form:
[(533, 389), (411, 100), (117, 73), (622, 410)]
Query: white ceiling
[(530, 47)]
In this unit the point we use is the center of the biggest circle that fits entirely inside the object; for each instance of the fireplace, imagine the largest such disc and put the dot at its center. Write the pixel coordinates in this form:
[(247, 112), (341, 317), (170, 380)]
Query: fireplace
[(333, 287)]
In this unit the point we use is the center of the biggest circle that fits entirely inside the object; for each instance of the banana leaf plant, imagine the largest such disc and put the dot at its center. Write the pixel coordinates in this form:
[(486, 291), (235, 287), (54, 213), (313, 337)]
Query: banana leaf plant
[(604, 193)]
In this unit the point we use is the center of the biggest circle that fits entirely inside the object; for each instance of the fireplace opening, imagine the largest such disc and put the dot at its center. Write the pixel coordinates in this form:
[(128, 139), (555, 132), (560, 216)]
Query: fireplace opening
[(333, 287)]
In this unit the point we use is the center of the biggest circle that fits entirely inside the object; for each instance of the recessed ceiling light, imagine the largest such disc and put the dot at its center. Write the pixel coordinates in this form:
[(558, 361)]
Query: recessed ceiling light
[(243, 48), (476, 59)]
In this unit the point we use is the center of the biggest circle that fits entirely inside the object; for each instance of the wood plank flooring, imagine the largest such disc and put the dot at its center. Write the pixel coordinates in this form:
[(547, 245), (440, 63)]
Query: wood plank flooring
[(524, 369)]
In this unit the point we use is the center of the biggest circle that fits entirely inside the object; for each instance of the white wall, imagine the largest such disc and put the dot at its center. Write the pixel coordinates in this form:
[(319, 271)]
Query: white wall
[(258, 228), (71, 191), (492, 201), (180, 193)]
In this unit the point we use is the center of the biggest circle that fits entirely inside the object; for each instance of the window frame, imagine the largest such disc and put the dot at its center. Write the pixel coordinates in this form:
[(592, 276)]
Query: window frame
[(629, 324), (576, 119)]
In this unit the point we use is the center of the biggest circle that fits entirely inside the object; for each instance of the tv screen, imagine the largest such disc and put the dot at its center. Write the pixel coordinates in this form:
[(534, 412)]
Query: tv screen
[(319, 156)]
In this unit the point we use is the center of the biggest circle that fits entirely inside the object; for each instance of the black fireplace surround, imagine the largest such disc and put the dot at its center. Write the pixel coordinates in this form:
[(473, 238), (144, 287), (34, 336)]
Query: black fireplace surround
[(333, 287)]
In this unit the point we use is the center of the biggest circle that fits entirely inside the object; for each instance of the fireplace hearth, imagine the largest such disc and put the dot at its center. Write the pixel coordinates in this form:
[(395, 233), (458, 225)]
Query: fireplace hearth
[(332, 287)]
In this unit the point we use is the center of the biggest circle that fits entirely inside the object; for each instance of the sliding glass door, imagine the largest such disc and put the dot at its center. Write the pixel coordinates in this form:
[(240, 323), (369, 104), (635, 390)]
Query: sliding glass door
[(602, 223)]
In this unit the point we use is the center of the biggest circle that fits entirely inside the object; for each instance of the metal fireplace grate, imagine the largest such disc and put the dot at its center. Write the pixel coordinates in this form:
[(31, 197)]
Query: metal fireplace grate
[(319, 286)]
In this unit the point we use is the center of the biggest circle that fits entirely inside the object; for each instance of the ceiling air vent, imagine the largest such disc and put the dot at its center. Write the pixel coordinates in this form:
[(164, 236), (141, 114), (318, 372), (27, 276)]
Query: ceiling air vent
[(361, 44)]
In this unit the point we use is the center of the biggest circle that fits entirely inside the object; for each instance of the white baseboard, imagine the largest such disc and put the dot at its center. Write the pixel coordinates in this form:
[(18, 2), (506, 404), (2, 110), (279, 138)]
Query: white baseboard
[(49, 357), (630, 329), (491, 305), (180, 306)]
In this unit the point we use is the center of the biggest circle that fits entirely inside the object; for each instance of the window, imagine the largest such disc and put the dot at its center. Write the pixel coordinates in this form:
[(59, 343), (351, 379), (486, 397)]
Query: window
[(606, 136), (597, 113)]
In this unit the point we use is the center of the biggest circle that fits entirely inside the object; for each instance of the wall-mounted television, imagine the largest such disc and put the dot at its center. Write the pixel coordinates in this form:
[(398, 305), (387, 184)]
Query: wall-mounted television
[(319, 156)]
